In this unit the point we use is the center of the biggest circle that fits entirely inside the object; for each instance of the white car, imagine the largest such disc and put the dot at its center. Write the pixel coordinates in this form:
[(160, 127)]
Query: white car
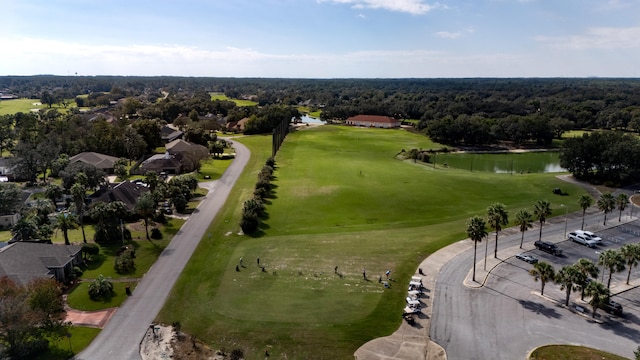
[(582, 239), (590, 235)]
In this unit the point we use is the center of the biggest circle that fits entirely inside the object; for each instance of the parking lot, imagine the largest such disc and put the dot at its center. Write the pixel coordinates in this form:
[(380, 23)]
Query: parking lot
[(516, 270)]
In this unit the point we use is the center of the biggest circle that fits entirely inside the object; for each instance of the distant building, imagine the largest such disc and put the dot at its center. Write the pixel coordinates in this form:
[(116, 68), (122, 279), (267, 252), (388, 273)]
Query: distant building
[(377, 121)]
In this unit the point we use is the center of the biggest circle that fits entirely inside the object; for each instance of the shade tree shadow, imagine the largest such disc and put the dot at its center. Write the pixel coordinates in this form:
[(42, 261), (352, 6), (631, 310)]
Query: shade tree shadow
[(539, 308)]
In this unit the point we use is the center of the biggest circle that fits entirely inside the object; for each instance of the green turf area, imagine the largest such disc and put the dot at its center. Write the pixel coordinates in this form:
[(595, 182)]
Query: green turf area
[(213, 168), (570, 352), (26, 105), (239, 102), (19, 105), (79, 298), (342, 199), (64, 348)]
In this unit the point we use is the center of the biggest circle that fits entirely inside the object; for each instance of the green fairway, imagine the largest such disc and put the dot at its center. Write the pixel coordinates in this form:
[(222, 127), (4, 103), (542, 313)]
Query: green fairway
[(19, 105), (341, 199), (26, 105), (238, 102)]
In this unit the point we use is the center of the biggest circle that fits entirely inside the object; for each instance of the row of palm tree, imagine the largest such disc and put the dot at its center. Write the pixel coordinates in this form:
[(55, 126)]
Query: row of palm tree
[(579, 276), (498, 217)]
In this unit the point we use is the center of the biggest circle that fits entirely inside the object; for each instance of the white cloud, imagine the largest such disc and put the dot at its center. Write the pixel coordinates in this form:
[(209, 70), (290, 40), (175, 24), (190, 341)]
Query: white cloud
[(454, 34), (416, 7), (448, 34), (597, 38)]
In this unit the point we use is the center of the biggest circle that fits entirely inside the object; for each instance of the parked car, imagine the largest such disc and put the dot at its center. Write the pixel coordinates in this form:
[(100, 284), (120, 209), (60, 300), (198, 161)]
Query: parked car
[(582, 239), (528, 258), (612, 307), (545, 246), (590, 235)]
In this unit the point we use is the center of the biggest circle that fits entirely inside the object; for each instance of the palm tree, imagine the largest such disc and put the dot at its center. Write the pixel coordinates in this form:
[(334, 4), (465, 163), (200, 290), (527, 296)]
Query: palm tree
[(78, 192), (497, 217), (588, 269), (66, 222), (101, 287), (631, 255), (622, 200), (544, 272), (599, 295), (612, 260), (476, 230), (585, 202), (523, 220), (568, 277), (542, 210), (606, 204), (146, 207)]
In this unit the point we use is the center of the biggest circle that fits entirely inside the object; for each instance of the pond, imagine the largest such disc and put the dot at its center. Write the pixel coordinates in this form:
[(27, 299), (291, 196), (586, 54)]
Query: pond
[(311, 120), (526, 162)]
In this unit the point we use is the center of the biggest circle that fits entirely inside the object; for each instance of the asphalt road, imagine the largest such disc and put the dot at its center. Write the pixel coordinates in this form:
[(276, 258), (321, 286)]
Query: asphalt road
[(506, 318), (121, 338)]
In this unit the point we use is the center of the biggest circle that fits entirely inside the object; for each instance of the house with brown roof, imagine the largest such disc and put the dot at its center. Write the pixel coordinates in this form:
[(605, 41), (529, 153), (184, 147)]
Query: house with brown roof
[(100, 161), (377, 121), (238, 126), (189, 154), (127, 192), (25, 261)]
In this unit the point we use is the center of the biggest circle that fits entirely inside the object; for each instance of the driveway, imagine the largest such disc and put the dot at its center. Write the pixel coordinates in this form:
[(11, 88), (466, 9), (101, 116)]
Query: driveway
[(121, 337)]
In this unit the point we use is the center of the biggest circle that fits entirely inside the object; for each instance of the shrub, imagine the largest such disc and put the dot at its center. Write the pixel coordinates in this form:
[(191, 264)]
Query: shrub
[(124, 263), (156, 234), (90, 249), (249, 222), (77, 272), (271, 162)]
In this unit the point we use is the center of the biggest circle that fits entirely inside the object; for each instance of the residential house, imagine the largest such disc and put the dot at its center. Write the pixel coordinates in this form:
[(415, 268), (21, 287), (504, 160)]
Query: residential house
[(25, 261), (189, 154), (127, 192), (159, 163), (377, 121), (238, 126), (170, 134), (100, 161)]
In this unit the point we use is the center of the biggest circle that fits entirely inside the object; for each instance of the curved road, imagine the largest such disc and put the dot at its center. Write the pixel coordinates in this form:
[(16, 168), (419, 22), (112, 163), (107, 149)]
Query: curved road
[(506, 317), (121, 338)]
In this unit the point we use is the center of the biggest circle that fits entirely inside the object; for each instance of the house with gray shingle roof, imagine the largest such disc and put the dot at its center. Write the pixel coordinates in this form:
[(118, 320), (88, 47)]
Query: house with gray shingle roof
[(101, 161), (25, 261), (127, 192)]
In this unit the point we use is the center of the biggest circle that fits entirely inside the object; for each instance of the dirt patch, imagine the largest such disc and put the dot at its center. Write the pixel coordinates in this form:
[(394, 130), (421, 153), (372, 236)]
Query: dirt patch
[(162, 342)]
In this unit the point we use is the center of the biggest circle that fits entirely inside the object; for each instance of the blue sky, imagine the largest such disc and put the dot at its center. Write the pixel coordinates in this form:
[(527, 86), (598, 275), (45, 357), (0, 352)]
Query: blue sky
[(322, 38)]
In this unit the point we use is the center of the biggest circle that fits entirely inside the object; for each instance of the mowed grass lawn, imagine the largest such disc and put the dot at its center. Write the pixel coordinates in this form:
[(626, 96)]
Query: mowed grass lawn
[(341, 199), (26, 105)]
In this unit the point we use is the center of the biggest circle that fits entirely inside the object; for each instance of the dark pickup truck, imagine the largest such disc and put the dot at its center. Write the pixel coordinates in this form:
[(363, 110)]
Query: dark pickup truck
[(551, 248)]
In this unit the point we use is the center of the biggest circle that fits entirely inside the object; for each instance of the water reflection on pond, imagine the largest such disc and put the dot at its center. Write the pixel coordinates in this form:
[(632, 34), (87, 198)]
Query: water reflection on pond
[(527, 162)]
